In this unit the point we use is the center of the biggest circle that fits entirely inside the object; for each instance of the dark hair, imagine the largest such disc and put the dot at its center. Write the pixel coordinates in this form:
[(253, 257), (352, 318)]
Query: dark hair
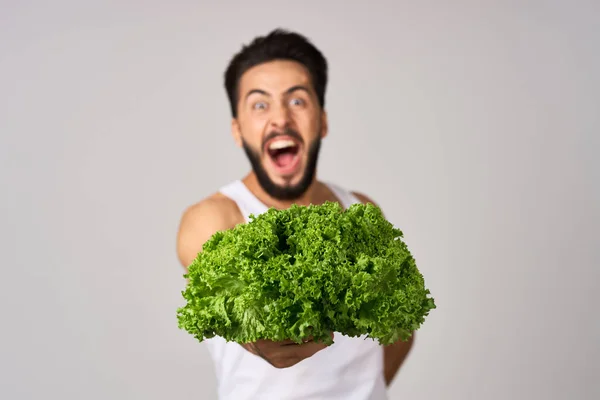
[(279, 44)]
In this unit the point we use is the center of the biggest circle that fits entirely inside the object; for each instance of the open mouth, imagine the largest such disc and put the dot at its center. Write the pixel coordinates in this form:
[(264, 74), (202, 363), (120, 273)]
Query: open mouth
[(284, 154)]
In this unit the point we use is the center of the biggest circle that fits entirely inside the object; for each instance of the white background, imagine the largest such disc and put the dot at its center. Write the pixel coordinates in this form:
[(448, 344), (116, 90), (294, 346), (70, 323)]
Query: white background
[(475, 125)]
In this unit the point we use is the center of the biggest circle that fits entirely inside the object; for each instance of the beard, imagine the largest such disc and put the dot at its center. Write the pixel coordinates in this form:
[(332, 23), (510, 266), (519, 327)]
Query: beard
[(288, 192)]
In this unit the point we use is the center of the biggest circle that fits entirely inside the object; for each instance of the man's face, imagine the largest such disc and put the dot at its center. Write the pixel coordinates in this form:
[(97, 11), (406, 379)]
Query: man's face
[(280, 125)]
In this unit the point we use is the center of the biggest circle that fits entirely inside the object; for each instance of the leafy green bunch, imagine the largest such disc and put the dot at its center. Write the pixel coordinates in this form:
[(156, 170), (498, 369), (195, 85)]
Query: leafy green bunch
[(306, 271)]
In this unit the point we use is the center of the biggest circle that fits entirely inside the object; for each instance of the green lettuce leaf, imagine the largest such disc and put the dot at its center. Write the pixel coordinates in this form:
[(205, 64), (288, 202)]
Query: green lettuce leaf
[(302, 271)]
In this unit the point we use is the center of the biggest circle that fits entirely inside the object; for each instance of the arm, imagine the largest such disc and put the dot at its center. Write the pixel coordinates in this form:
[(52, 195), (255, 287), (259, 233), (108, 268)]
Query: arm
[(394, 354), (200, 221), (393, 358)]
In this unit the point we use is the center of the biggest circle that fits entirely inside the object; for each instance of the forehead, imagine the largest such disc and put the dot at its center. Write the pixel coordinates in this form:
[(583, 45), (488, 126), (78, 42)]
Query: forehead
[(274, 77)]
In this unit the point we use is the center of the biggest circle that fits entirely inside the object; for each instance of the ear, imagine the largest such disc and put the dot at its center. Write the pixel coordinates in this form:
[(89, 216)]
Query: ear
[(236, 132), (324, 124)]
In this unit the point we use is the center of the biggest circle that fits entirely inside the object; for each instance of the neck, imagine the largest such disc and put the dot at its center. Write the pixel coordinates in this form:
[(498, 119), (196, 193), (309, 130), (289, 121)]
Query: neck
[(312, 195)]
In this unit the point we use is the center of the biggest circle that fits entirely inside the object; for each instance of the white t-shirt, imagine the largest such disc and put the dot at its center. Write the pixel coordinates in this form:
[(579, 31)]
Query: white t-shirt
[(350, 369)]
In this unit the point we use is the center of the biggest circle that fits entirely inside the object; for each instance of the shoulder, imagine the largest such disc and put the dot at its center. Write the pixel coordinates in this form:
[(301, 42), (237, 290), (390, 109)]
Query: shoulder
[(343, 193), (364, 198), (203, 219)]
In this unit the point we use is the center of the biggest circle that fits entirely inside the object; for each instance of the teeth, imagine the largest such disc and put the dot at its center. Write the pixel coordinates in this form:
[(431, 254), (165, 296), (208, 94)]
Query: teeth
[(281, 144)]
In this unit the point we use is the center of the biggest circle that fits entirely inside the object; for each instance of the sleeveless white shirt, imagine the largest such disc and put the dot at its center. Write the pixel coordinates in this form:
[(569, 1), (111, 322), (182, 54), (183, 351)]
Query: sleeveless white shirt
[(350, 369)]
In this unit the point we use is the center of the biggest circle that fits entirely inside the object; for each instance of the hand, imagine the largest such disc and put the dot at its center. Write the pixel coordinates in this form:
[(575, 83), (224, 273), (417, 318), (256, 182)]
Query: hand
[(286, 353)]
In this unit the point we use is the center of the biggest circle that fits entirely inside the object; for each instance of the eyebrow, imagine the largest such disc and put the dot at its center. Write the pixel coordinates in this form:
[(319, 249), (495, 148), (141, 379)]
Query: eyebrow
[(290, 90)]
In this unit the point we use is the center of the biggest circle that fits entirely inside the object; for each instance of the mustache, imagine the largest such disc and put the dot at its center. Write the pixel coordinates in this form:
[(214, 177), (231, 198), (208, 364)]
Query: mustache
[(287, 132)]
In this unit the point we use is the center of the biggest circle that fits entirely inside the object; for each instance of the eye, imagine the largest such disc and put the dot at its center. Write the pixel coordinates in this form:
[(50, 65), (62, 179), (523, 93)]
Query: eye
[(261, 105), (297, 102)]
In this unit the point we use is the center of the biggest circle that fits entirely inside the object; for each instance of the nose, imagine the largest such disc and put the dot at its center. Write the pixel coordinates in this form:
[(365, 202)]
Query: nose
[(280, 117)]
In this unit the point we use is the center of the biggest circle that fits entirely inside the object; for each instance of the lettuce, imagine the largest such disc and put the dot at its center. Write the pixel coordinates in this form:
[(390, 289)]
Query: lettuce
[(302, 271)]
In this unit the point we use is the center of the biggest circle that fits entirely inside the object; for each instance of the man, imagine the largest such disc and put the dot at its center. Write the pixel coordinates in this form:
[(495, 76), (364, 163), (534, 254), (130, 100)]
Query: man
[(276, 88)]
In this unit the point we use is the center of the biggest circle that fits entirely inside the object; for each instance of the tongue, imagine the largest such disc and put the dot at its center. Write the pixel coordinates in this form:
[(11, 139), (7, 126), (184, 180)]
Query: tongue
[(284, 159)]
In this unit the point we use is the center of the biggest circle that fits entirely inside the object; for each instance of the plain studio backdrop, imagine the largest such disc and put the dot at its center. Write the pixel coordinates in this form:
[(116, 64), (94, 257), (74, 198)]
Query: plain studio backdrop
[(475, 125)]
